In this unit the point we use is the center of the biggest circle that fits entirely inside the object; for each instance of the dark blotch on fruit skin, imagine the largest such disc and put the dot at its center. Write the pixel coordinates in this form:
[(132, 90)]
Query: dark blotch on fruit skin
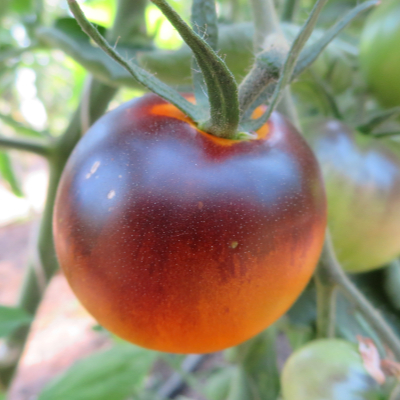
[(182, 242)]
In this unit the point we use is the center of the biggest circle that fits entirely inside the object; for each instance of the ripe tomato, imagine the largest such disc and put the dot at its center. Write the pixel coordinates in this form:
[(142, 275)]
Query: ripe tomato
[(180, 241), (328, 369), (379, 52), (362, 179)]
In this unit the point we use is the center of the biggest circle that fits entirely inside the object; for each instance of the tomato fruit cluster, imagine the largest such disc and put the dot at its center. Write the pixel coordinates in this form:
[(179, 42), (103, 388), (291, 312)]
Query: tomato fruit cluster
[(180, 241), (329, 369), (379, 53), (362, 179)]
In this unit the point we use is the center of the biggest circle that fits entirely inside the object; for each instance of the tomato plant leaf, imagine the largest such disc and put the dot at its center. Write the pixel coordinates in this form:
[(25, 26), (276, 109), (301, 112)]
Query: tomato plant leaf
[(392, 283), (289, 65), (144, 77), (258, 358), (21, 6), (4, 6), (218, 384), (173, 67), (20, 128), (240, 387), (12, 318), (67, 35), (8, 174), (310, 54), (377, 119), (113, 374)]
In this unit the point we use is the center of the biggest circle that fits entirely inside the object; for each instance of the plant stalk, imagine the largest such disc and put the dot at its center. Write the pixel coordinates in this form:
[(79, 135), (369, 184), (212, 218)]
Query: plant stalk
[(132, 22), (43, 265), (266, 21), (221, 85), (326, 304), (31, 146), (144, 77), (289, 10), (334, 274)]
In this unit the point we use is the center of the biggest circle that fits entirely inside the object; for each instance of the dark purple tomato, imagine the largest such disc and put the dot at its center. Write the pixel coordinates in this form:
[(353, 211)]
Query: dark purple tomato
[(362, 179), (180, 241)]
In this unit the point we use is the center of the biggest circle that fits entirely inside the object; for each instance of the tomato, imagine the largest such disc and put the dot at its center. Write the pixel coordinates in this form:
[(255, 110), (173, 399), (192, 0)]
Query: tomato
[(180, 241), (327, 369), (362, 179), (379, 52)]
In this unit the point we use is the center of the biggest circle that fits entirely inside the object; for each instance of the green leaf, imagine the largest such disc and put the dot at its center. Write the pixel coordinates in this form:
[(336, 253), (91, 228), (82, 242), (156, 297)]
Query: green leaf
[(298, 335), (20, 128), (260, 364), (113, 374), (7, 173), (173, 67), (377, 119), (4, 6), (218, 384), (240, 387), (392, 283), (258, 359), (22, 6), (148, 80), (12, 318), (68, 36), (310, 53)]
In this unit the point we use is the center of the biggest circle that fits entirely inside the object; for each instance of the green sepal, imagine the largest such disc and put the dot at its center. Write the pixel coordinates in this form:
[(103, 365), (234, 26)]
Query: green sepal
[(221, 85), (113, 374), (144, 77), (205, 24)]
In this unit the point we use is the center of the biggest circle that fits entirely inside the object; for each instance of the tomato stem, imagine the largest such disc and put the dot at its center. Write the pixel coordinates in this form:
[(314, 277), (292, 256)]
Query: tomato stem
[(289, 65), (334, 274), (143, 76), (21, 128), (132, 23), (311, 53), (289, 10), (265, 22), (326, 304), (221, 85), (33, 146), (265, 71)]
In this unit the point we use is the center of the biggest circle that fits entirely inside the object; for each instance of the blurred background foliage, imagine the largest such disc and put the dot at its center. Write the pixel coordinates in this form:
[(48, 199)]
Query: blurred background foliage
[(46, 64)]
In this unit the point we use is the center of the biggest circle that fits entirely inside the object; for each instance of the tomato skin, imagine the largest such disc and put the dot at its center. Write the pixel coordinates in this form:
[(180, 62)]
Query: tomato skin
[(182, 242), (362, 179), (379, 52), (328, 369)]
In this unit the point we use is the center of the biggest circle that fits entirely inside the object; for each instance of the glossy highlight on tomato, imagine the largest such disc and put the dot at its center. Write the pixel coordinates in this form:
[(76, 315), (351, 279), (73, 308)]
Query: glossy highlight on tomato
[(179, 241), (362, 179)]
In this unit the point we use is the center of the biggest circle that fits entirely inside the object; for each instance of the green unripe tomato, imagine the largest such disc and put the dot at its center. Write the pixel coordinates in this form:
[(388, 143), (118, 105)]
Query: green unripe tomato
[(380, 52), (327, 369), (362, 181)]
